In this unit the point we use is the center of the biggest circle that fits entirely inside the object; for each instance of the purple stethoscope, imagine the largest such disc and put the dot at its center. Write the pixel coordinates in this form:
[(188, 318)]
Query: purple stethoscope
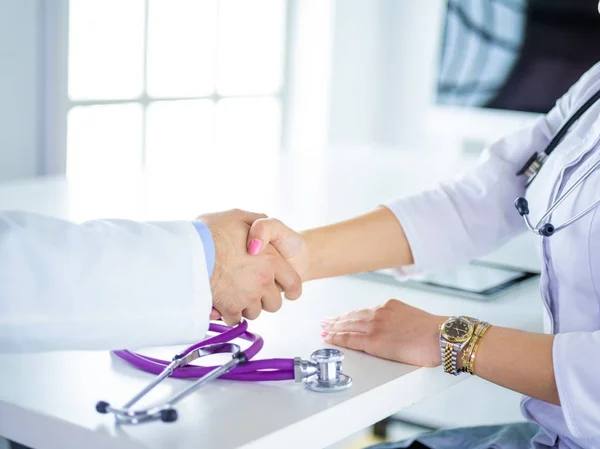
[(323, 373)]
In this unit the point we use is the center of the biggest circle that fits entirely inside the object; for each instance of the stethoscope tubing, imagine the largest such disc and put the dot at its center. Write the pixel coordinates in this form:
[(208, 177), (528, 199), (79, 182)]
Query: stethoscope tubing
[(252, 371), (565, 195), (533, 166)]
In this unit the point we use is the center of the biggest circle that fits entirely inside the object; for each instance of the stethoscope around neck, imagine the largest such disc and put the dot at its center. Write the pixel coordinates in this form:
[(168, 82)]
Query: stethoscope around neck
[(533, 166)]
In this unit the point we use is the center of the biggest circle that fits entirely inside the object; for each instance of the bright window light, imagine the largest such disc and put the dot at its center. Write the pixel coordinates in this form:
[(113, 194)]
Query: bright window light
[(182, 38), (106, 49), (168, 86), (179, 134), (255, 121), (251, 37), (104, 140)]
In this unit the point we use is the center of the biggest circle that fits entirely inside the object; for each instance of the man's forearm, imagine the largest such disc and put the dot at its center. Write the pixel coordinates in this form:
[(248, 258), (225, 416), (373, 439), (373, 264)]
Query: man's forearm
[(369, 242)]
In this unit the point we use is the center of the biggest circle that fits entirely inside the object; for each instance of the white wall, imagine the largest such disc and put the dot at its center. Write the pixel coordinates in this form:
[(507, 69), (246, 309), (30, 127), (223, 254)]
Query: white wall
[(384, 69), (356, 72), (412, 35), (308, 75), (384, 72), (19, 88)]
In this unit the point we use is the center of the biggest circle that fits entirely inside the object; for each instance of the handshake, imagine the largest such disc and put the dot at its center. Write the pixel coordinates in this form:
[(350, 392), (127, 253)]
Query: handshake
[(256, 259)]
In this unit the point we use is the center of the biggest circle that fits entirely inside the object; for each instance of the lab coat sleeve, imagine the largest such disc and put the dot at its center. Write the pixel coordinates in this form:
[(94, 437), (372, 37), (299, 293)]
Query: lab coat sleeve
[(103, 284), (576, 368), (469, 217)]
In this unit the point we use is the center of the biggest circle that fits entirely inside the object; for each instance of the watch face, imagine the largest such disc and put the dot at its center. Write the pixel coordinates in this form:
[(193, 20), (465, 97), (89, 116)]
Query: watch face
[(457, 330)]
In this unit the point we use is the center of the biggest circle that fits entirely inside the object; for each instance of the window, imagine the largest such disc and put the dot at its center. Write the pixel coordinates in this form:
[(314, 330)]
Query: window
[(165, 85)]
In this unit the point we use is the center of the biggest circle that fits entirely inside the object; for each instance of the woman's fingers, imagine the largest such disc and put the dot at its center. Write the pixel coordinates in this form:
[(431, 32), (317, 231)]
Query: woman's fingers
[(363, 315), (350, 340), (267, 230), (350, 330), (349, 325)]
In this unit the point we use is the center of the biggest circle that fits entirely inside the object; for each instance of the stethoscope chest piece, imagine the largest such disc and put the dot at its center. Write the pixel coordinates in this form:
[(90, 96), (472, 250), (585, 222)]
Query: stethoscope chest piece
[(328, 376)]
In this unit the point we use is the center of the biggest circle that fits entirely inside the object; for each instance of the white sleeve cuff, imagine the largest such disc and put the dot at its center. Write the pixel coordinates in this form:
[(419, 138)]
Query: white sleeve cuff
[(202, 292)]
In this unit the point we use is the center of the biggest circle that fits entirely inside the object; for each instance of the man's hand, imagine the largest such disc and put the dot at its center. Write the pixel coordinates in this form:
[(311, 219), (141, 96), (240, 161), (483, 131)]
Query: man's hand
[(291, 245), (241, 284)]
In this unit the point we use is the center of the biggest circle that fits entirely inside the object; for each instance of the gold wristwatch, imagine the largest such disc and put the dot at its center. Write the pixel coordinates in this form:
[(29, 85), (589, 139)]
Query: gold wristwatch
[(455, 333)]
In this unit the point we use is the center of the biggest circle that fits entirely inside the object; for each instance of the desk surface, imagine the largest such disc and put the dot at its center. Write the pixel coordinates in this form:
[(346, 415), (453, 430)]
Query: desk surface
[(47, 400)]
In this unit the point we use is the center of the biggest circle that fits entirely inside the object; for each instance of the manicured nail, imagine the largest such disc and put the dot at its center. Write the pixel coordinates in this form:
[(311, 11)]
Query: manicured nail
[(325, 323), (255, 246), (324, 333)]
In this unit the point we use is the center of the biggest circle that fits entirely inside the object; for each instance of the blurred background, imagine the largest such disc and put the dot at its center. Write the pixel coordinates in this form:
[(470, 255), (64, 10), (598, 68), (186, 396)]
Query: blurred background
[(107, 90), (164, 86)]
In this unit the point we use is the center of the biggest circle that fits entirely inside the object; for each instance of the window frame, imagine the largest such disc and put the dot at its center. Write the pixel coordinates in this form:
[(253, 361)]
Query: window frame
[(55, 81)]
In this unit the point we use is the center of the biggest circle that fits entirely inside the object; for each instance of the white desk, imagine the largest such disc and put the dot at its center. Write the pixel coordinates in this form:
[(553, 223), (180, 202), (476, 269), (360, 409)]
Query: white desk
[(47, 401)]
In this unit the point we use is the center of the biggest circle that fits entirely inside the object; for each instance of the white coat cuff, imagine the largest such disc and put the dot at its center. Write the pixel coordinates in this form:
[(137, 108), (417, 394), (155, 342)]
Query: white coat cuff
[(202, 292)]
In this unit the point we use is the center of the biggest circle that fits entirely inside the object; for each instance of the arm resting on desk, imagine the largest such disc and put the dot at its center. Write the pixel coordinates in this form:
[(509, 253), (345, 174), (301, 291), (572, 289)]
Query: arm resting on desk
[(559, 369), (521, 361)]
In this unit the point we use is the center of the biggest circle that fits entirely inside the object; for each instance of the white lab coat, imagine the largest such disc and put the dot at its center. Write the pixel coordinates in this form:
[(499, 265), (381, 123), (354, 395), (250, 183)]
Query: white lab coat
[(475, 214), (104, 284)]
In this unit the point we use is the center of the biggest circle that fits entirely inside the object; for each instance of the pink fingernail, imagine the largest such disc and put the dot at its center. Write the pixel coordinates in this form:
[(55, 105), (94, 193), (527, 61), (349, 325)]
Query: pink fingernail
[(255, 246), (325, 323), (324, 333)]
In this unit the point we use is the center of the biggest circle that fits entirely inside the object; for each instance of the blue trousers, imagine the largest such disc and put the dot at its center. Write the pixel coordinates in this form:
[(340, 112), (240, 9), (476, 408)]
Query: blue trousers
[(510, 436)]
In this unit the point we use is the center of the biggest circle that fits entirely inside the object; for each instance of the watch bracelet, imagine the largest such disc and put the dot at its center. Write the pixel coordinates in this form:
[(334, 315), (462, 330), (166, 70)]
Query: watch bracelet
[(449, 357)]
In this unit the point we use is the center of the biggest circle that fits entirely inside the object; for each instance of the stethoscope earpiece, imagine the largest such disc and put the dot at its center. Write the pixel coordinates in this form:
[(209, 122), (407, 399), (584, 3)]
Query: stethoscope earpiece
[(522, 206), (547, 230), (533, 166)]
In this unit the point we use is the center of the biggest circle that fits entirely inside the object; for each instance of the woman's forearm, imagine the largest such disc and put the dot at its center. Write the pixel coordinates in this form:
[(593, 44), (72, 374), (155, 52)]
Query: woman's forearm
[(520, 361), (369, 242)]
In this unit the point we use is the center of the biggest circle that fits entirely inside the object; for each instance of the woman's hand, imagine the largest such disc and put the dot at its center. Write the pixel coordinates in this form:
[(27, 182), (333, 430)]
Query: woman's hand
[(394, 331), (291, 245)]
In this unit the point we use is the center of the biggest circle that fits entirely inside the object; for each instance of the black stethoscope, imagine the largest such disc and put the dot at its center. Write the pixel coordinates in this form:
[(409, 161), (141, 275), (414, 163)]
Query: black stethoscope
[(533, 166)]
